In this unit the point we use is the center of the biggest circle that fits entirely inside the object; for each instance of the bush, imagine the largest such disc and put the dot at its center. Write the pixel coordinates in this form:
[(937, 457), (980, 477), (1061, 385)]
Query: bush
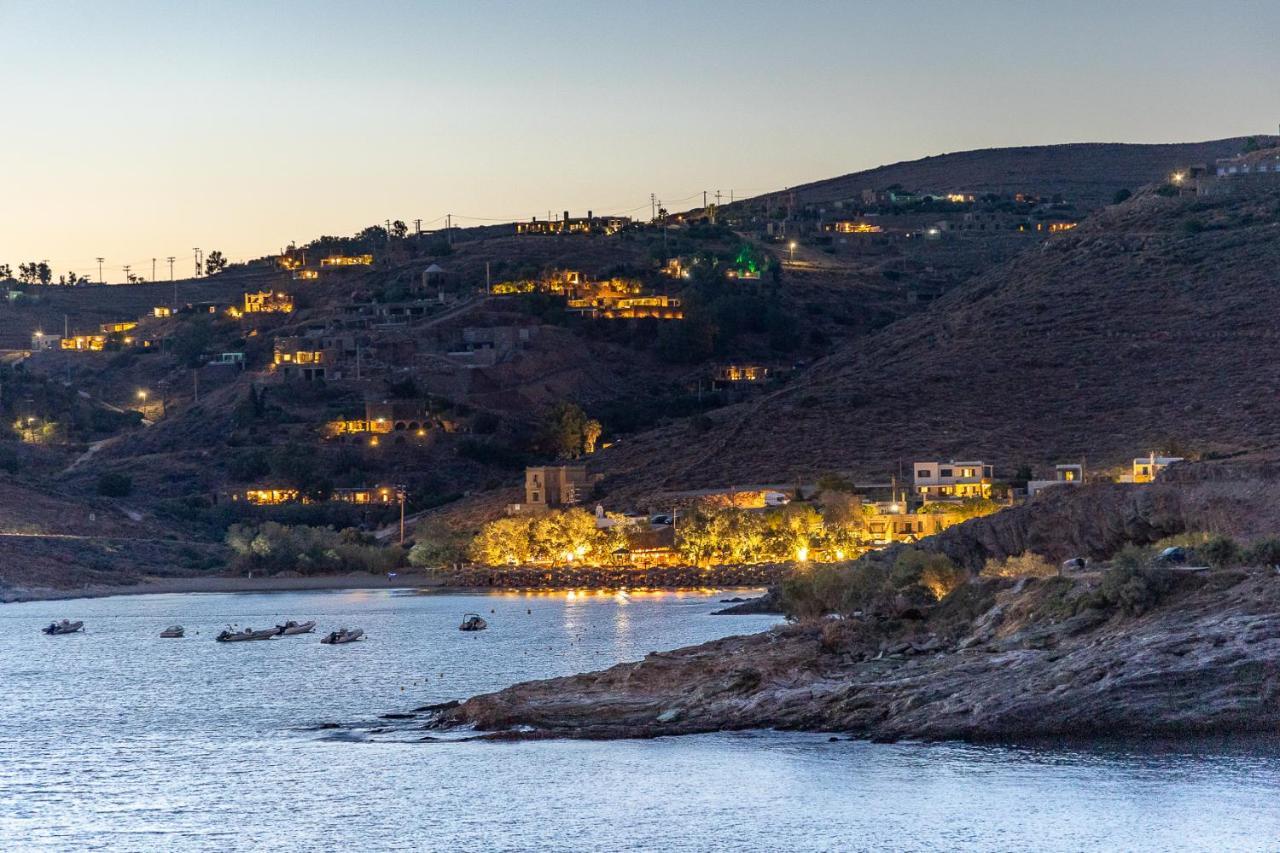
[(1026, 565), (1133, 590), (1121, 196), (934, 572), (1220, 552), (113, 485), (1263, 552), (1131, 557), (309, 550)]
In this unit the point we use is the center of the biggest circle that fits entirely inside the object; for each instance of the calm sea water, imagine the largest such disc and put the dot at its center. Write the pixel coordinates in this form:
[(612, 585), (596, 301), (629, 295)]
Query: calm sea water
[(117, 740)]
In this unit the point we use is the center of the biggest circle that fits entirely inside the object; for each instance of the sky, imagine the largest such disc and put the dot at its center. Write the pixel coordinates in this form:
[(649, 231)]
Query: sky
[(140, 130)]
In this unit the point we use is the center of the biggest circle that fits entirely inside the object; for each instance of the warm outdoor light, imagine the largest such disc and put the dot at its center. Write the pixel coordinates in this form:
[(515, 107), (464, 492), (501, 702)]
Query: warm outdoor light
[(793, 250), (142, 395)]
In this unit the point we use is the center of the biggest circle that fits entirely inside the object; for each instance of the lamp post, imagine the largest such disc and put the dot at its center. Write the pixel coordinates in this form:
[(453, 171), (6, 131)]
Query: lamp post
[(793, 250)]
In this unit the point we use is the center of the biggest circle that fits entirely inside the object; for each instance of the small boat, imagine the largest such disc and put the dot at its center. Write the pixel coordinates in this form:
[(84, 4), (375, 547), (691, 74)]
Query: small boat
[(342, 635), (291, 628), (173, 632), (472, 622), (63, 627), (229, 636)]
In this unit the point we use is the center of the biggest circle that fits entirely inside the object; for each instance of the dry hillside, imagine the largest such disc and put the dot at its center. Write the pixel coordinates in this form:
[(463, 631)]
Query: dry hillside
[(1149, 326), (1088, 173)]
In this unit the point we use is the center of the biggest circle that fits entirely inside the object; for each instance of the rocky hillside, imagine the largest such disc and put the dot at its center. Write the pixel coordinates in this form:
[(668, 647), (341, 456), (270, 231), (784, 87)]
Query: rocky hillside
[(1088, 173), (1146, 328)]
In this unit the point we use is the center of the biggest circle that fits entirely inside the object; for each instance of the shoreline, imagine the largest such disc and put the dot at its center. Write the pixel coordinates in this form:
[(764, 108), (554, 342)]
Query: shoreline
[(417, 582)]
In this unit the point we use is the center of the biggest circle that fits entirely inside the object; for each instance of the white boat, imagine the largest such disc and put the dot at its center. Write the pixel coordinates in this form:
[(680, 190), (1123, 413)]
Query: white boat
[(291, 628), (63, 627), (173, 632), (245, 635), (472, 622), (342, 635)]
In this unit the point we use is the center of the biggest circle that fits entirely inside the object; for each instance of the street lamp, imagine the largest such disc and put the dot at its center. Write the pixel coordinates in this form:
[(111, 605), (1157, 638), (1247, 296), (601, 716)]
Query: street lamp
[(793, 250)]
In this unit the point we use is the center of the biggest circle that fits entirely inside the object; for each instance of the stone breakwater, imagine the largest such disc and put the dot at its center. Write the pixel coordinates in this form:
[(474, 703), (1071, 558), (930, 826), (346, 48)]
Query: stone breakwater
[(612, 577), (1005, 660)]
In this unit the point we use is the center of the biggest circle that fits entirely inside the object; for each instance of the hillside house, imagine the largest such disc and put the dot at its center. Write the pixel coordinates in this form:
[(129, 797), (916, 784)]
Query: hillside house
[(737, 374), (368, 495), (40, 341), (852, 226), (119, 328), (162, 311), (268, 302), (347, 261), (231, 359), (1264, 163), (306, 275), (589, 224), (952, 480), (887, 523), (382, 417), (1071, 474), (552, 487), (1148, 468), (300, 357), (84, 343)]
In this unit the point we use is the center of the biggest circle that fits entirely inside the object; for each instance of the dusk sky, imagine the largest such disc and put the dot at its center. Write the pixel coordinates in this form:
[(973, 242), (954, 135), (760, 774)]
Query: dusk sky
[(139, 130)]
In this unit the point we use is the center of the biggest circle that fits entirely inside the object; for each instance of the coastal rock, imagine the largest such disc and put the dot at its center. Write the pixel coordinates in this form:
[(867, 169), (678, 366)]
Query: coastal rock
[(1206, 659)]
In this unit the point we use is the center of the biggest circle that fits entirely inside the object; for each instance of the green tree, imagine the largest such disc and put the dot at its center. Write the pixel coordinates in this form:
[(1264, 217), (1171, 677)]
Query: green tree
[(214, 263)]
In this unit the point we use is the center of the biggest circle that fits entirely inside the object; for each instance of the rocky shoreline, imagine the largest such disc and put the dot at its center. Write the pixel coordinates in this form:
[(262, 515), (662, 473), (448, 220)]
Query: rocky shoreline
[(1005, 660)]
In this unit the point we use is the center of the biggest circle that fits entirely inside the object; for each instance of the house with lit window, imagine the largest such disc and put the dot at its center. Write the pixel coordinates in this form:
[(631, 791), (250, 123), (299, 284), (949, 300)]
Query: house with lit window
[(1147, 468), (347, 261), (300, 357), (268, 302), (589, 224), (852, 226), (1070, 474), (952, 480), (740, 374)]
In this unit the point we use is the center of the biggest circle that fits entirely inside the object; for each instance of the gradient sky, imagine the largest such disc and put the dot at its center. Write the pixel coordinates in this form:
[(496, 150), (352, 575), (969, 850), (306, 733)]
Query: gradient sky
[(135, 130)]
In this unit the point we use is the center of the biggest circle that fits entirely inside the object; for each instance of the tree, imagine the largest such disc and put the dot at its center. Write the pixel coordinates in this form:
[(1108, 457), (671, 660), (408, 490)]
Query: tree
[(399, 230), (190, 341), (6, 272), (214, 263), (565, 431), (590, 435)]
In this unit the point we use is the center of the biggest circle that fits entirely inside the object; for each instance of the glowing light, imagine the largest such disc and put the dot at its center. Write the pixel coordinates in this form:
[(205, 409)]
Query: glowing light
[(802, 554)]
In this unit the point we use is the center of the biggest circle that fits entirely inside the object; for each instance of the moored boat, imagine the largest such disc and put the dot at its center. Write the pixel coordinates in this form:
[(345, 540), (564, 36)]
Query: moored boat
[(63, 627), (173, 632), (242, 636), (342, 635), (472, 622), (291, 628)]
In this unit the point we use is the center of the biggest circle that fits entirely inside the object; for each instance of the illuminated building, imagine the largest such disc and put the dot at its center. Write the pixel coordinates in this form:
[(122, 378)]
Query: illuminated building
[(268, 302), (347, 261), (952, 480)]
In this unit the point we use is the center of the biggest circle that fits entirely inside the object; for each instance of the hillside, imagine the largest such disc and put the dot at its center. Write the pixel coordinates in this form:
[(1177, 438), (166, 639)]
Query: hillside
[(1149, 327), (1089, 173)]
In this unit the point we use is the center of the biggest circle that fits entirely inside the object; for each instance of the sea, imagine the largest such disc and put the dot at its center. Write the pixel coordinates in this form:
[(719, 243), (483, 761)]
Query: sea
[(116, 739)]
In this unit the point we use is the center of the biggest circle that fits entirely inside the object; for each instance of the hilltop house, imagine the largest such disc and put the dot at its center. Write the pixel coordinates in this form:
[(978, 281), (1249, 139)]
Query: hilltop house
[(952, 480), (41, 341), (347, 261), (589, 224), (300, 357)]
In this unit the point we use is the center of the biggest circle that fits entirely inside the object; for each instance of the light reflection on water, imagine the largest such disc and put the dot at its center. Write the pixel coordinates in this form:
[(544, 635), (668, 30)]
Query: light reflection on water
[(119, 740)]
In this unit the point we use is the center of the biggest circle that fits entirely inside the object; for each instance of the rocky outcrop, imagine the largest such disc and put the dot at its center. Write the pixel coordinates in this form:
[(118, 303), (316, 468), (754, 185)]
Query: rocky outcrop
[(999, 660)]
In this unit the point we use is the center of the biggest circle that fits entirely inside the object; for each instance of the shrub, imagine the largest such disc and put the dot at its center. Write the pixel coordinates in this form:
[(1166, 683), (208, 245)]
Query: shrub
[(1263, 552), (1220, 552), (932, 571), (1133, 590), (1120, 196), (113, 485), (1131, 557), (1026, 565)]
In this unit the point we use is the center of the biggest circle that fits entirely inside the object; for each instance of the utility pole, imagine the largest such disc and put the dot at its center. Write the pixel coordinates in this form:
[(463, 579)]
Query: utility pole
[(417, 227), (195, 384), (704, 199), (196, 254), (448, 227), (488, 286), (126, 274), (717, 198), (170, 259), (653, 206), (100, 260), (402, 497)]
